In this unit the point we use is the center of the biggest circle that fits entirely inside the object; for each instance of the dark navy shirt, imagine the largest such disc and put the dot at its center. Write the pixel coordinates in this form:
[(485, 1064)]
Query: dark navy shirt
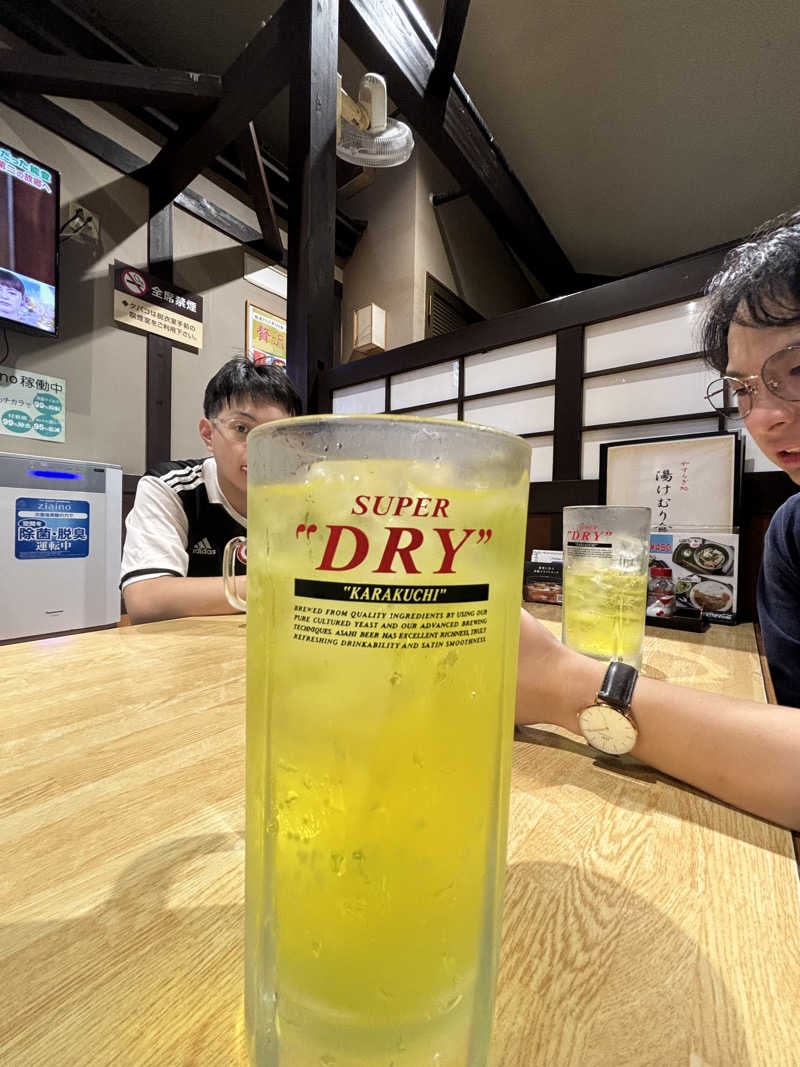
[(779, 601)]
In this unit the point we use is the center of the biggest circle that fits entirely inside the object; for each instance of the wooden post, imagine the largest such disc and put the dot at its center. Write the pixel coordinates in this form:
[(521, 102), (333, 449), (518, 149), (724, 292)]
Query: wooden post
[(158, 432), (312, 195), (568, 404)]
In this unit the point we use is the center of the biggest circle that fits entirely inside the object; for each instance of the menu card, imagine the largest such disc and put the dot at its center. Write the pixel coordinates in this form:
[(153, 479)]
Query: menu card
[(705, 567), (543, 577)]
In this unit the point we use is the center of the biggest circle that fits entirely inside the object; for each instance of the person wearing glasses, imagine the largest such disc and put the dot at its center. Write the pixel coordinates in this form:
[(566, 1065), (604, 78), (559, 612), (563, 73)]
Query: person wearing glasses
[(752, 335), (185, 512), (743, 752)]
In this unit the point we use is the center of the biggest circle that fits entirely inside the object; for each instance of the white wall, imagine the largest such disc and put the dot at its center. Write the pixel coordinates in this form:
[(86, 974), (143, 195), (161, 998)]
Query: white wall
[(407, 238), (208, 263), (104, 366), (430, 251), (381, 270), (457, 245)]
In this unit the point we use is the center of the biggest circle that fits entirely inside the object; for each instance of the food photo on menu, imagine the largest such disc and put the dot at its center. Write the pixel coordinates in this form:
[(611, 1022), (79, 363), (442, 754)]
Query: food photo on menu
[(702, 569), (542, 581)]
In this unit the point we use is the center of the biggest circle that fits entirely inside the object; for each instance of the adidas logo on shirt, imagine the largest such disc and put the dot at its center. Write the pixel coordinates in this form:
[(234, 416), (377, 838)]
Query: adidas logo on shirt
[(203, 548)]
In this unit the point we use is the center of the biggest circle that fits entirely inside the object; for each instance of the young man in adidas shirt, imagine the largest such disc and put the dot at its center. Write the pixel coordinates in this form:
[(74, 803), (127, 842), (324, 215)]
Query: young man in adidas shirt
[(185, 512)]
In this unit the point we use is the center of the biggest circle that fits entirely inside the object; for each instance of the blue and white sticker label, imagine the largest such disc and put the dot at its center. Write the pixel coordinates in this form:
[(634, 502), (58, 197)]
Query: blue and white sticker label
[(51, 529), (660, 543)]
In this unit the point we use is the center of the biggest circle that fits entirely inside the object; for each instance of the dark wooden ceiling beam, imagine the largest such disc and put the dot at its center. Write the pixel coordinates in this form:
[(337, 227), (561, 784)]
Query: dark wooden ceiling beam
[(120, 83), (48, 27), (252, 81), (63, 123), (384, 38), (454, 20), (230, 170), (258, 187)]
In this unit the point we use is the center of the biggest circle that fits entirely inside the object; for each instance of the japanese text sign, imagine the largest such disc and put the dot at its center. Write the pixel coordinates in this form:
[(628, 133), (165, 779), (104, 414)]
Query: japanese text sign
[(148, 304), (266, 336), (25, 171), (685, 481), (32, 404), (45, 528)]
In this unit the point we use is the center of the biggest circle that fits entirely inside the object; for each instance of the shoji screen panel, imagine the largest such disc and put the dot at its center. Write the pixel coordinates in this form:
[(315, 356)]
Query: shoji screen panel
[(505, 368), (367, 398), (658, 334), (425, 386), (649, 392), (528, 411)]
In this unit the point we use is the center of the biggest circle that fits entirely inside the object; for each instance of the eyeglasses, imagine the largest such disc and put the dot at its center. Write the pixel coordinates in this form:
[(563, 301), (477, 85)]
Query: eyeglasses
[(780, 375), (234, 430)]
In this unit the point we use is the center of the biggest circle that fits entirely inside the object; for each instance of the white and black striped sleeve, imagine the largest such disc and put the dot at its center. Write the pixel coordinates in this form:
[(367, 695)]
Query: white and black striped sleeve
[(157, 533)]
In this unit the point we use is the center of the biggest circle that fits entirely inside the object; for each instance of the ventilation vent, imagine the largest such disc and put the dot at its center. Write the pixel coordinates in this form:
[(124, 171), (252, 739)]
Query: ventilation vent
[(444, 311)]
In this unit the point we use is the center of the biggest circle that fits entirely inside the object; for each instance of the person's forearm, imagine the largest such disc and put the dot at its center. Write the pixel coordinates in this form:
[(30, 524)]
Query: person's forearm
[(745, 753), (154, 599)]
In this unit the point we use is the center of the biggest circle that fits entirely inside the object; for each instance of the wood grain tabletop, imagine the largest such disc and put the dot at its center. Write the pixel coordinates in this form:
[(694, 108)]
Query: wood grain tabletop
[(644, 924)]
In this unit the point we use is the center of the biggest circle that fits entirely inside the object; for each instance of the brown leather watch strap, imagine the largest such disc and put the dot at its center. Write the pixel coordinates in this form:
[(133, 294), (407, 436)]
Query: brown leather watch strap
[(618, 683)]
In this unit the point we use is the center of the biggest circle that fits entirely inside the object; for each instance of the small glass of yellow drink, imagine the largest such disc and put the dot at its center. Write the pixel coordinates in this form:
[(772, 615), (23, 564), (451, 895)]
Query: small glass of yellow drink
[(384, 560), (606, 552)]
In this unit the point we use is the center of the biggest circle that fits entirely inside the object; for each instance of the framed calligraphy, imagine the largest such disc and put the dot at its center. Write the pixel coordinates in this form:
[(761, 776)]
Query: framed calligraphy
[(686, 481)]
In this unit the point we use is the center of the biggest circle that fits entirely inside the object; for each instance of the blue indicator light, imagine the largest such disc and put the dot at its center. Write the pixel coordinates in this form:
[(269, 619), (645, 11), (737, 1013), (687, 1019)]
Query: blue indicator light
[(69, 475)]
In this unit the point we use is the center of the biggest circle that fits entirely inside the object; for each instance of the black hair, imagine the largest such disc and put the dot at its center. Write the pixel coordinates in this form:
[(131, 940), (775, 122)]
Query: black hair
[(758, 285), (240, 379), (10, 279)]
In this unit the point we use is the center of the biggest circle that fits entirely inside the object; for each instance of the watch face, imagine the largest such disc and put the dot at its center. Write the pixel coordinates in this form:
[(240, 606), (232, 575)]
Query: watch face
[(607, 729)]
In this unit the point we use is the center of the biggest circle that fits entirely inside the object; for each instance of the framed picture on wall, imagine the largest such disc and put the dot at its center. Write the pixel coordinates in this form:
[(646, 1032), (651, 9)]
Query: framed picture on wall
[(265, 336), (690, 480)]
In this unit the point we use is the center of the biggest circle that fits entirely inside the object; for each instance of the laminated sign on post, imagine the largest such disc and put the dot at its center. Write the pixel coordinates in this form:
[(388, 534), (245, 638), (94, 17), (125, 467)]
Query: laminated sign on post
[(142, 301), (32, 404), (265, 336)]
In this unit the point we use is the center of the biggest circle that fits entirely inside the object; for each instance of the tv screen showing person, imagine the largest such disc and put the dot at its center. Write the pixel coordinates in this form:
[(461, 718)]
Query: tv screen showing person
[(28, 243)]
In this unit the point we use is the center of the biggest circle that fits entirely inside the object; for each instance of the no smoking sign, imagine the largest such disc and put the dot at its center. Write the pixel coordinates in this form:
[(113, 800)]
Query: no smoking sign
[(134, 282)]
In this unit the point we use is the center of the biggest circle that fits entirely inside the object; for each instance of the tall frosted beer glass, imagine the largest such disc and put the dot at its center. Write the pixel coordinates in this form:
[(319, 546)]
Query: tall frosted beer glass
[(383, 589), (606, 551)]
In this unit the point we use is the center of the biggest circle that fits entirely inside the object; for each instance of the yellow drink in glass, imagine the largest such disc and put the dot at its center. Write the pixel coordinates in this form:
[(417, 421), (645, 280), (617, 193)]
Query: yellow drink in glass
[(604, 611), (606, 552), (379, 721)]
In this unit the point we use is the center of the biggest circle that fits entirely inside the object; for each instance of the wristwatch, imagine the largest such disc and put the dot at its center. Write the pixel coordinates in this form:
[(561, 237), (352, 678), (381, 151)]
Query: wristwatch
[(608, 724)]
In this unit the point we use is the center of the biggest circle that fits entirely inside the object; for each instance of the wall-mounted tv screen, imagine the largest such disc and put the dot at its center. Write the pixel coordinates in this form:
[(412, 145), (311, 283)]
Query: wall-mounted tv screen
[(29, 198)]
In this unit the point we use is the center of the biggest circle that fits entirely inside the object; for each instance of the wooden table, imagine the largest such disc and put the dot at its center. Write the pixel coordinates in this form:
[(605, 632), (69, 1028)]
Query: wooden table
[(645, 924)]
